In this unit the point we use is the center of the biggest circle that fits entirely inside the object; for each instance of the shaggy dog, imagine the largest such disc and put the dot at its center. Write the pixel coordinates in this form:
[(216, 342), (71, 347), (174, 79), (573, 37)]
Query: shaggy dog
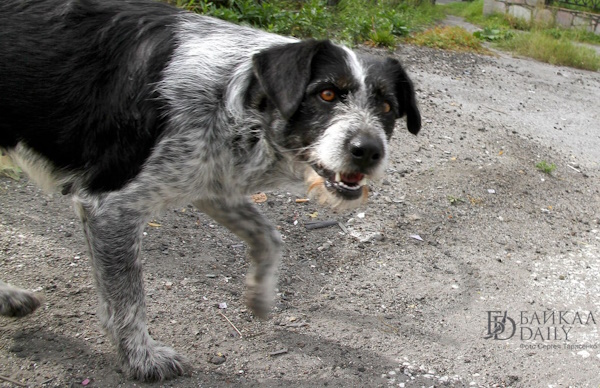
[(134, 106)]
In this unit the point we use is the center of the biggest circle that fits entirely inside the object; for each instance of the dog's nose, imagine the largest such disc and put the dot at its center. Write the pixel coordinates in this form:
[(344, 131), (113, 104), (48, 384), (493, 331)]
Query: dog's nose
[(366, 151)]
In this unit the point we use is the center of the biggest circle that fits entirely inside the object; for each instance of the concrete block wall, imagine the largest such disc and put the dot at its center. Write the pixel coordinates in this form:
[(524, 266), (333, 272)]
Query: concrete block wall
[(536, 10)]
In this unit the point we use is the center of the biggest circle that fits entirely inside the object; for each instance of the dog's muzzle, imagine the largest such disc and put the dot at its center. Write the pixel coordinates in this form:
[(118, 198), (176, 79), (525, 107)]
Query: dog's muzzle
[(349, 186), (365, 153)]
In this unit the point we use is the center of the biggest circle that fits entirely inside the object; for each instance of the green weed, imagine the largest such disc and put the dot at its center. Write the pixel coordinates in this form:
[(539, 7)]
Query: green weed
[(493, 34), (455, 200), (546, 168), (378, 22)]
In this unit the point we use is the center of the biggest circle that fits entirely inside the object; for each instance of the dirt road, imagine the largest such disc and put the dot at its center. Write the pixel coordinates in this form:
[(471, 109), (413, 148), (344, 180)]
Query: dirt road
[(468, 267)]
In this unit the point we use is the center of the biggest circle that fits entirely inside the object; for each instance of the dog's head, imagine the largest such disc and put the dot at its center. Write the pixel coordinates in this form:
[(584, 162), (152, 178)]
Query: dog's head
[(340, 111)]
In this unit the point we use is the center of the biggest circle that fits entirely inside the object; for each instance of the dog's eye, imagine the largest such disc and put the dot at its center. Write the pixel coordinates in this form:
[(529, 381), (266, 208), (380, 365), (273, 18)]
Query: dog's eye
[(327, 95), (387, 108)]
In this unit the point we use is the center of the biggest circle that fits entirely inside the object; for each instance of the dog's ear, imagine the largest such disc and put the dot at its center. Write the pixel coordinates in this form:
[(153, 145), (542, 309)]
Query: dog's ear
[(405, 93), (284, 72)]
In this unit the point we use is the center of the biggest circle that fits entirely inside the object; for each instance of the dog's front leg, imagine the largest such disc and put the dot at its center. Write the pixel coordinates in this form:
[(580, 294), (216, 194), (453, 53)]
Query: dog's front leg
[(243, 219), (113, 234)]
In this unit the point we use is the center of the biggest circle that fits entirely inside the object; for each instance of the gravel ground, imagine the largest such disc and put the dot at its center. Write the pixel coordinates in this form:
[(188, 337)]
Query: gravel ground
[(468, 267)]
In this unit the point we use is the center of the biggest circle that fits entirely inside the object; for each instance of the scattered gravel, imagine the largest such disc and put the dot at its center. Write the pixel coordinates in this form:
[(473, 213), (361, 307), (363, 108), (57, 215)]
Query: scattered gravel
[(365, 303)]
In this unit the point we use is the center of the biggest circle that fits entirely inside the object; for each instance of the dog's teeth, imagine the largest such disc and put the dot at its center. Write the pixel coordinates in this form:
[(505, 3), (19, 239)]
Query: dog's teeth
[(338, 177), (363, 182), (345, 186)]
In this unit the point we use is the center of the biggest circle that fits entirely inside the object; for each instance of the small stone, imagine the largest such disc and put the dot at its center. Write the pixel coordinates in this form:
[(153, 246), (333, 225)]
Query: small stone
[(217, 359), (413, 217), (378, 237), (584, 353)]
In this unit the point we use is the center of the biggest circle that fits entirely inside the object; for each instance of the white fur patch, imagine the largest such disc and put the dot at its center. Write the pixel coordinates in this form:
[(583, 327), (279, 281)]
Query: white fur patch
[(38, 168)]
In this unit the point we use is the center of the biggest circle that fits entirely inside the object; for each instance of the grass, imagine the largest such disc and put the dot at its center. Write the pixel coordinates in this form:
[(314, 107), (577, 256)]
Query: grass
[(472, 11), (377, 22), (546, 168), (540, 46), (582, 7), (449, 38), (545, 43)]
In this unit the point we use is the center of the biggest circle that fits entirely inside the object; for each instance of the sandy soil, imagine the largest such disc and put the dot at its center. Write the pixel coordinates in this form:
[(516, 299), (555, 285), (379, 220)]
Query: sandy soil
[(463, 224)]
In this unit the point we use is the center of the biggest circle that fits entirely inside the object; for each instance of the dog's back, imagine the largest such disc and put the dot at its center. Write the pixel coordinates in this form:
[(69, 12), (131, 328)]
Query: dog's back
[(78, 76)]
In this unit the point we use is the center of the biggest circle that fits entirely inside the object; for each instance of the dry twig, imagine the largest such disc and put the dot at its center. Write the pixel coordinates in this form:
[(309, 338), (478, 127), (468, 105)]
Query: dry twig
[(8, 379), (232, 325)]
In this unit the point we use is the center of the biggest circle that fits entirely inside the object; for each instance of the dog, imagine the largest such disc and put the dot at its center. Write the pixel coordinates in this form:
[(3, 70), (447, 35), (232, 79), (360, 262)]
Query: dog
[(134, 106)]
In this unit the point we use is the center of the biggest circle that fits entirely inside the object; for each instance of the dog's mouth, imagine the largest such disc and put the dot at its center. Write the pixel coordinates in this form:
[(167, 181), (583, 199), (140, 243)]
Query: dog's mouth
[(348, 185)]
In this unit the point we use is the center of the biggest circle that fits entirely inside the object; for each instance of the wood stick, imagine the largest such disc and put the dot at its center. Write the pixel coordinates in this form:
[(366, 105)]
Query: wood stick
[(8, 379), (232, 325)]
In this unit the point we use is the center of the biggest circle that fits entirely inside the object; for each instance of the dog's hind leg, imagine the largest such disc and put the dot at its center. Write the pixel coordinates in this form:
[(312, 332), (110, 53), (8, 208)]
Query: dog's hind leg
[(113, 232), (15, 302), (264, 242)]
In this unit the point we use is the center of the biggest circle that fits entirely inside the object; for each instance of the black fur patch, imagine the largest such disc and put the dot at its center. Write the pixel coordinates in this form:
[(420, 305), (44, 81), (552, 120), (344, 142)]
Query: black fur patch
[(77, 83)]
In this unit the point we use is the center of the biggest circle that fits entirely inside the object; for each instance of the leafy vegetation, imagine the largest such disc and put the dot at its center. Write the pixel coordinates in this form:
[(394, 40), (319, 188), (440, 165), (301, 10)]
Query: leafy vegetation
[(493, 34), (378, 22)]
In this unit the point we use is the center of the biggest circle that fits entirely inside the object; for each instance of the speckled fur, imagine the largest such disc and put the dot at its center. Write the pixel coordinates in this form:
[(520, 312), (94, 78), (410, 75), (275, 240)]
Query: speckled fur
[(218, 112)]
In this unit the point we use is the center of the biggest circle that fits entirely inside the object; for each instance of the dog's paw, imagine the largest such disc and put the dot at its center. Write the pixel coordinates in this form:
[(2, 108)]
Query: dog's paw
[(259, 300), (15, 302), (156, 362)]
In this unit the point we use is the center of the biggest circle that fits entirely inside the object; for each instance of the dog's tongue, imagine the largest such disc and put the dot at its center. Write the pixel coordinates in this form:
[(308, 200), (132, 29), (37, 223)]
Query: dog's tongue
[(353, 178)]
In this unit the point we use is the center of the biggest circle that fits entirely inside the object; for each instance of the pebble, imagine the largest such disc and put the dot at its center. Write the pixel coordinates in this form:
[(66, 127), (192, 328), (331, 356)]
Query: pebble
[(378, 237), (217, 360), (325, 246), (584, 353)]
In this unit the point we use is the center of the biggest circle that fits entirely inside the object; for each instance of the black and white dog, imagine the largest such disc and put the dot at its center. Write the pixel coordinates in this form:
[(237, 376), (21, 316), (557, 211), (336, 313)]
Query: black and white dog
[(133, 106)]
